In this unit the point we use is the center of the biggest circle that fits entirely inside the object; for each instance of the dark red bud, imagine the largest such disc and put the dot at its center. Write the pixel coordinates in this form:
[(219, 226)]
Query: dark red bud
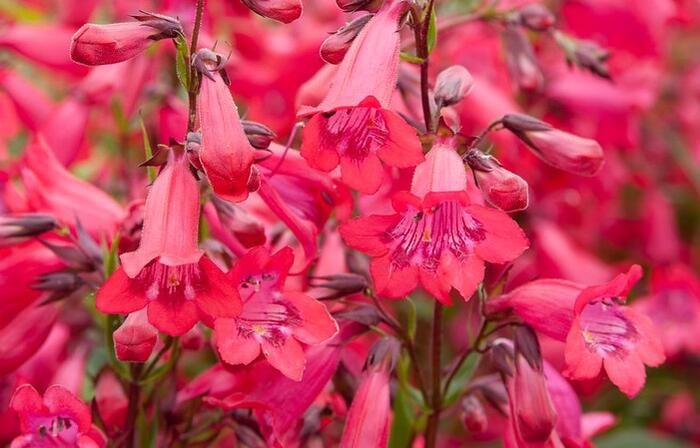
[(520, 123), (60, 281), (259, 135), (284, 11), (335, 46), (384, 354), (536, 17), (342, 284), (359, 5), (452, 85), (527, 346), (26, 225), (502, 356)]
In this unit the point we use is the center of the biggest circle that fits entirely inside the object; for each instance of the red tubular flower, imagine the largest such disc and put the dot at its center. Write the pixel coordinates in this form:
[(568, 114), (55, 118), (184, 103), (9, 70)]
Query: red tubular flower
[(59, 419), (560, 149), (96, 44), (168, 273), (353, 127), (135, 339), (226, 154), (23, 335), (606, 335), (273, 320), (284, 11), (51, 188), (437, 237)]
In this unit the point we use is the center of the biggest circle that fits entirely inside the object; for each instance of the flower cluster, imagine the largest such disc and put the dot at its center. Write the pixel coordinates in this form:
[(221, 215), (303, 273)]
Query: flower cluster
[(366, 223)]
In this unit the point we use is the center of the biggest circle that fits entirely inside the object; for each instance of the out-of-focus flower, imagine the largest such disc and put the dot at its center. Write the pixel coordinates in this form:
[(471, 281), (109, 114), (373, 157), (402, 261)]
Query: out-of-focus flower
[(560, 149), (21, 337), (536, 17), (226, 154), (368, 418), (358, 5), (520, 58), (437, 237), (168, 274), (112, 403), (452, 85), (135, 339), (273, 321), (284, 11), (501, 188), (57, 419), (353, 127), (95, 44)]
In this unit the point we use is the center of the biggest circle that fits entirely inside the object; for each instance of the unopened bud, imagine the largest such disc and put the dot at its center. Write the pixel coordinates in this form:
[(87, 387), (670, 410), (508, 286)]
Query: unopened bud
[(502, 356), (116, 42), (259, 135), (60, 281), (342, 284), (474, 415), (25, 225), (135, 339), (452, 85), (536, 17), (335, 46), (527, 346), (592, 57), (520, 59), (500, 187), (560, 149), (284, 11), (384, 354), (359, 5)]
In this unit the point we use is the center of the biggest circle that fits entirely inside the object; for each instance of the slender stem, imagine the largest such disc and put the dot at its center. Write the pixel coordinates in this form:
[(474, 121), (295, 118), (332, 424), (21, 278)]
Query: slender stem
[(421, 29), (436, 402), (133, 408), (193, 87)]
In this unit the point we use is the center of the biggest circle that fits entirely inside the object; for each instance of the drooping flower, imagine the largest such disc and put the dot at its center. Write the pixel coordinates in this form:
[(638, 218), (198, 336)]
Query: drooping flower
[(274, 321), (606, 335), (226, 154), (560, 149), (353, 126), (95, 44), (57, 419), (436, 237), (168, 274)]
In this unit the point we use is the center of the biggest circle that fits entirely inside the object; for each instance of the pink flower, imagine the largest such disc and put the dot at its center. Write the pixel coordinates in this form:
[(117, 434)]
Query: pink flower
[(284, 11), (353, 127), (606, 335), (560, 149), (273, 321), (674, 307), (436, 237), (168, 274), (21, 337), (112, 403), (135, 339), (57, 419), (226, 154), (96, 44)]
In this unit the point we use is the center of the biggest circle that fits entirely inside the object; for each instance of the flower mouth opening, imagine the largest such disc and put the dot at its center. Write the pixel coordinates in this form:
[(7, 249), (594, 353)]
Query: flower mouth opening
[(160, 280), (270, 322), (605, 329), (58, 427), (356, 132)]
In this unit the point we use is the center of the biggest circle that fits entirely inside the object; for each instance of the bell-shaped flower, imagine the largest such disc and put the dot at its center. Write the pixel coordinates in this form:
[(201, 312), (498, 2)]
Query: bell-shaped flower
[(437, 237), (57, 419), (353, 126), (225, 154), (168, 274), (274, 321)]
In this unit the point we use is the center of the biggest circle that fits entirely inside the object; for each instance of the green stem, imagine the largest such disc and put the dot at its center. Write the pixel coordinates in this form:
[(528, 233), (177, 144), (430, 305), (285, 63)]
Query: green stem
[(193, 86), (436, 401)]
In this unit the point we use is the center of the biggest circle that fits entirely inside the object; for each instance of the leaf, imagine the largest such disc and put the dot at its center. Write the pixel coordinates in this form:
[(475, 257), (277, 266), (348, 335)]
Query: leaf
[(182, 60), (410, 58), (152, 173), (109, 255), (638, 438), (432, 31), (148, 430), (459, 383), (411, 319)]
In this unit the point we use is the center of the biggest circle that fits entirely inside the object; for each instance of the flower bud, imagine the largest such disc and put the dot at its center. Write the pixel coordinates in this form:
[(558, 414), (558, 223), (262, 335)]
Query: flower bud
[(335, 46), (17, 227), (474, 415), (527, 346), (452, 85), (284, 11), (560, 149), (135, 339), (536, 17), (592, 57), (259, 135), (520, 59), (60, 281), (359, 5), (95, 44), (500, 187), (342, 284)]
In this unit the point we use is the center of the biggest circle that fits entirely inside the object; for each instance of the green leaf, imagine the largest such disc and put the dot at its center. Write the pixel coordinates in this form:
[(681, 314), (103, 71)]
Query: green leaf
[(402, 425), (182, 62), (459, 383), (412, 318), (120, 118), (432, 31), (410, 58), (148, 430), (109, 255), (638, 438), (152, 173)]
